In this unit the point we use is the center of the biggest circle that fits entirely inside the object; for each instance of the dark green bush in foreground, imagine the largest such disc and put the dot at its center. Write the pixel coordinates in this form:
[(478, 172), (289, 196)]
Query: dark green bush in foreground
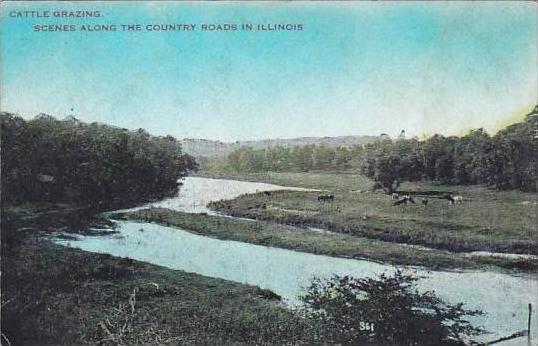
[(388, 310)]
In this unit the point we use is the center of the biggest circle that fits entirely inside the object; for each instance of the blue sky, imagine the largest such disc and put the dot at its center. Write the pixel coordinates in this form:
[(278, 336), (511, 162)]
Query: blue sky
[(355, 68)]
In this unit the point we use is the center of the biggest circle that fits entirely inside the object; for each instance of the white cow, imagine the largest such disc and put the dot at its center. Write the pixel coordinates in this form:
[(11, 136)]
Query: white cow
[(458, 199)]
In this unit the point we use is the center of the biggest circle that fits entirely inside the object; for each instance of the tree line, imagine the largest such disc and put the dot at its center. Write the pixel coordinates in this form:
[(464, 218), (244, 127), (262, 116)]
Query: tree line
[(507, 160), (298, 158), (46, 159)]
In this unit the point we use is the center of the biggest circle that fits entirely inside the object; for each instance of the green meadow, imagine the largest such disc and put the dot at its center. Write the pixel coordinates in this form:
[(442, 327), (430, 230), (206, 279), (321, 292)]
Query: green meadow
[(488, 220)]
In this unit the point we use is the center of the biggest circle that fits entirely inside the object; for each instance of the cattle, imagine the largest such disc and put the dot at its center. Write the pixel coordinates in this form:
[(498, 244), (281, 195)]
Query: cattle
[(401, 201), (453, 200), (448, 197), (424, 201), (267, 193), (394, 196), (405, 200), (325, 198)]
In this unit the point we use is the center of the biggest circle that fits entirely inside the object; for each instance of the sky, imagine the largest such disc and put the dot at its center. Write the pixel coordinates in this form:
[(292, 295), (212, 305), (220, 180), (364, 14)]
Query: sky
[(356, 68)]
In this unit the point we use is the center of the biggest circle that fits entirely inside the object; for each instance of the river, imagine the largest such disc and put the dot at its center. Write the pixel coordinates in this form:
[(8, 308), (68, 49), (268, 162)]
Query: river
[(503, 297)]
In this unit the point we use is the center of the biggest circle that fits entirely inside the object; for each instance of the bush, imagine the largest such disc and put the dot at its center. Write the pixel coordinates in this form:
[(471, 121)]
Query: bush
[(388, 310)]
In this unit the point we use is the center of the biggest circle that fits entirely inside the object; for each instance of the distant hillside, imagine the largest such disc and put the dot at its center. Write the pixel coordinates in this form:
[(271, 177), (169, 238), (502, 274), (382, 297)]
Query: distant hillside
[(210, 148)]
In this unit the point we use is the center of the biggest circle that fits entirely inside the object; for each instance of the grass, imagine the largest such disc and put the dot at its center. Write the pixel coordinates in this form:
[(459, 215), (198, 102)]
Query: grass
[(489, 220), (324, 180), (61, 296), (305, 240)]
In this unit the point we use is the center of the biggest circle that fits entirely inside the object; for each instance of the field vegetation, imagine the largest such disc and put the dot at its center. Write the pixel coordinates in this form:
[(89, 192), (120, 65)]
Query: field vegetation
[(488, 220)]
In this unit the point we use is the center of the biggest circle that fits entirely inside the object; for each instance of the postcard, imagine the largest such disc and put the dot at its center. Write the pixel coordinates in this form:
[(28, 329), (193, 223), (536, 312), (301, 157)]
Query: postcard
[(269, 173)]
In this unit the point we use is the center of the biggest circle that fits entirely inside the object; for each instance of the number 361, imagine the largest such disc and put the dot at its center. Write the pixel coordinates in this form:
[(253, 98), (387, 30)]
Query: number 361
[(366, 326)]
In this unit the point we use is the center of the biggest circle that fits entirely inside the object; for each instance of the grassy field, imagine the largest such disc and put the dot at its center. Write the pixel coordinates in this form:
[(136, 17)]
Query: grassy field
[(324, 243), (488, 220), (325, 181)]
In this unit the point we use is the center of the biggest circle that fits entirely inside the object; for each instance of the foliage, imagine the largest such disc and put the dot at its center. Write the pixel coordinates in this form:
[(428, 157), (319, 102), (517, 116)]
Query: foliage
[(504, 161), (288, 159), (45, 159), (389, 164), (388, 310)]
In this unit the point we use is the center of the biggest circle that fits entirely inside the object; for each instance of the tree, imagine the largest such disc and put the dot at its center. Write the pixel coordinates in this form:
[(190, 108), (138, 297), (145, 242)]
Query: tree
[(513, 163), (388, 310), (322, 157), (438, 158), (17, 173), (45, 159), (385, 165), (342, 158)]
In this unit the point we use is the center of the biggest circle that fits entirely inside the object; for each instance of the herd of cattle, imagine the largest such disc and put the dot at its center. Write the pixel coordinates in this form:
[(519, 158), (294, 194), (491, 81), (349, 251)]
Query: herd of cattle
[(452, 199), (399, 199), (409, 199)]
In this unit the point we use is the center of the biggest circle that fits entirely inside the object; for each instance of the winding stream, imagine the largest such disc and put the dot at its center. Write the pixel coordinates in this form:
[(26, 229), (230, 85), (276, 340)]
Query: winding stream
[(503, 297)]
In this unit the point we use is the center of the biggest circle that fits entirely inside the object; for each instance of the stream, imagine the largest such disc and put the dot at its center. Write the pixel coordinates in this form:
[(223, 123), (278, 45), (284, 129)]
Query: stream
[(503, 297)]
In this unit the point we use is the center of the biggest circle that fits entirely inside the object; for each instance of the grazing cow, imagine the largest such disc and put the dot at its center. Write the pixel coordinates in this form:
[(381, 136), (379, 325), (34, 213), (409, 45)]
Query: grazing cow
[(325, 198), (394, 196), (448, 197), (401, 201), (424, 201), (405, 200), (458, 200)]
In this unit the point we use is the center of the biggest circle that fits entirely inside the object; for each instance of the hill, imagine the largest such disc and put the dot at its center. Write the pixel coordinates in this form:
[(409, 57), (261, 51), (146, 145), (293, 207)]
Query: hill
[(212, 148)]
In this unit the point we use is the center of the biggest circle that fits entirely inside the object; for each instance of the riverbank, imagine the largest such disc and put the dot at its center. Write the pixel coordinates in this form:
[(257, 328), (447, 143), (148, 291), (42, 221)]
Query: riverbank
[(57, 295), (488, 220), (64, 214), (319, 242)]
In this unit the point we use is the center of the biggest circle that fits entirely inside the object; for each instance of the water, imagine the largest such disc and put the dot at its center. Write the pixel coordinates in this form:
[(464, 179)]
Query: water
[(503, 297), (197, 192)]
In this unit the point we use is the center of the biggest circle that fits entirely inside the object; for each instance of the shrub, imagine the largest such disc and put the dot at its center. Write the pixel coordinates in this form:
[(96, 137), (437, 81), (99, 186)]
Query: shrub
[(388, 310)]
